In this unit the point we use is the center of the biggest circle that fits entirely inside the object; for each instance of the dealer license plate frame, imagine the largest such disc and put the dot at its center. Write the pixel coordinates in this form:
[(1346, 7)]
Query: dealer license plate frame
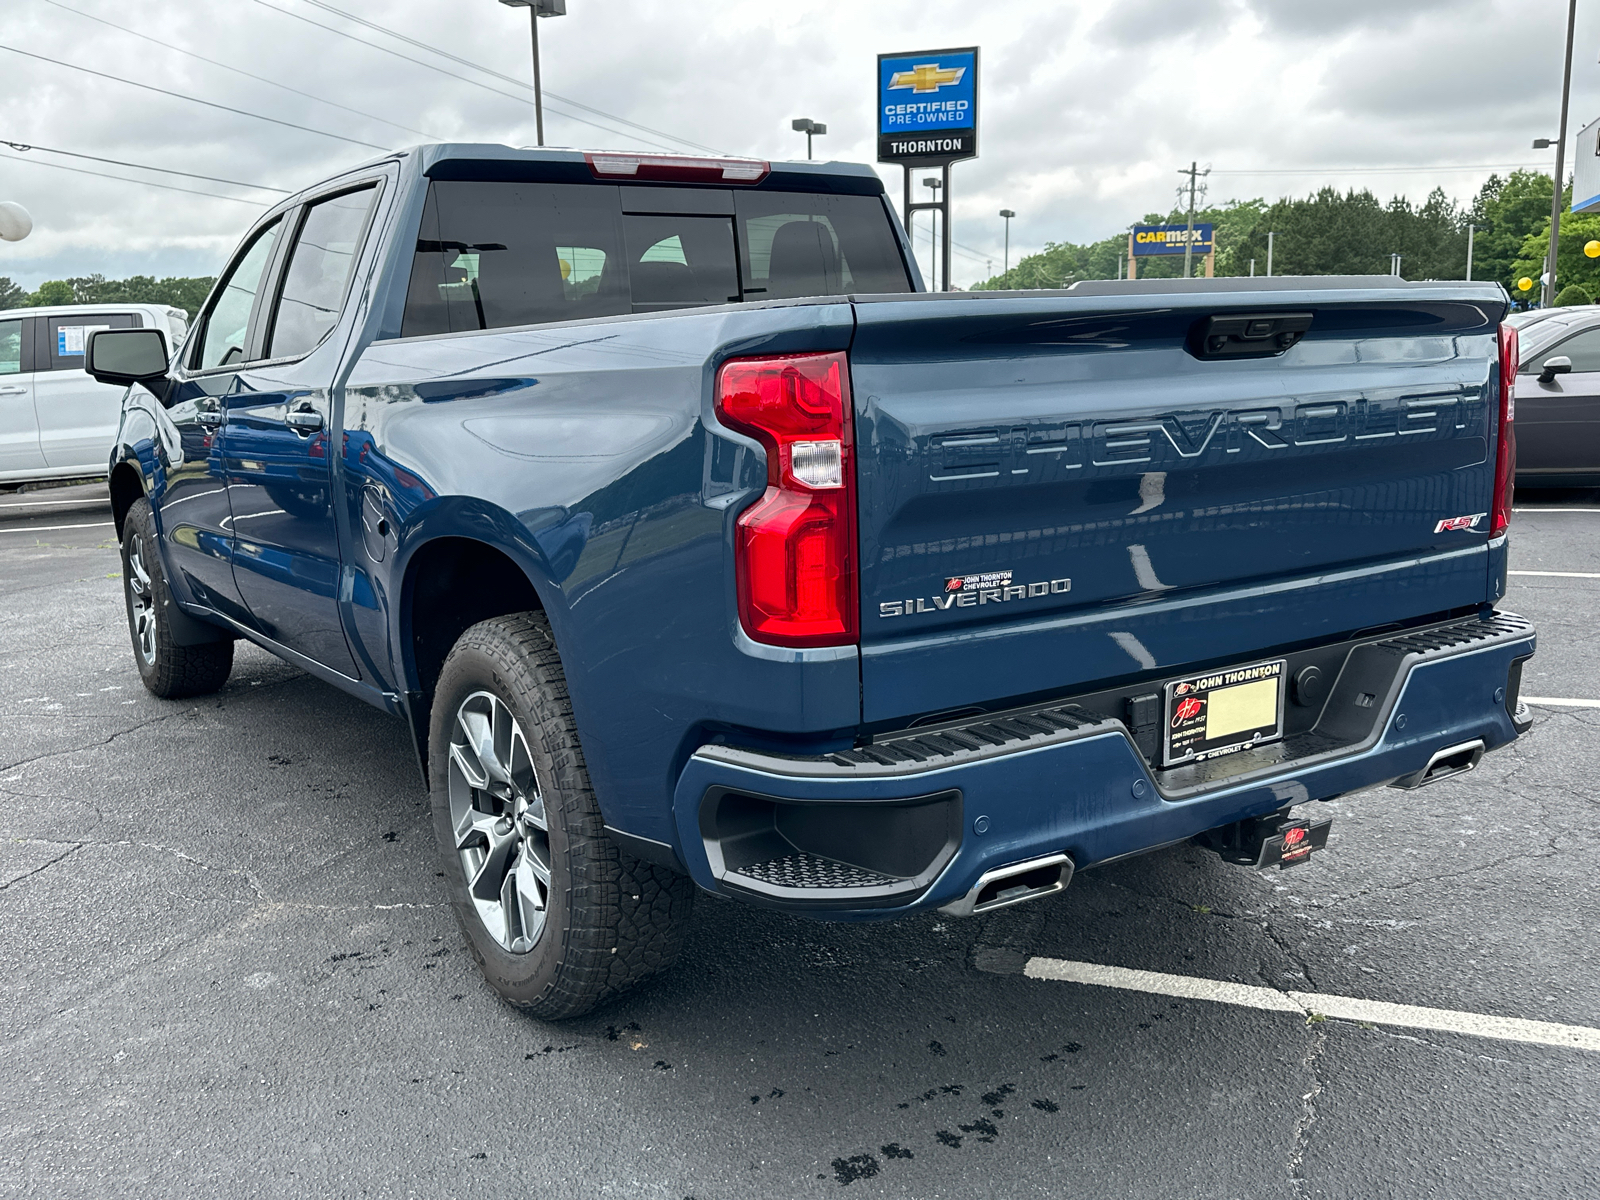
[(1184, 741)]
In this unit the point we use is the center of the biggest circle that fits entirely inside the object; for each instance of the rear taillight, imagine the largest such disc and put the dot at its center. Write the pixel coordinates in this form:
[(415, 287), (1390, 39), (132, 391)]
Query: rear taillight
[(795, 548), (1505, 457)]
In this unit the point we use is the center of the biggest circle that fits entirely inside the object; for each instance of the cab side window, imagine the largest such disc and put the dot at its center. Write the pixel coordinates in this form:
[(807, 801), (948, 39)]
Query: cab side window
[(10, 347), (222, 340), (319, 270)]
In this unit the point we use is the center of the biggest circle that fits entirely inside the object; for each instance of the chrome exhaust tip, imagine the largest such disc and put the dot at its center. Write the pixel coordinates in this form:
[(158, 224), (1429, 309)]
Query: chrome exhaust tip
[(1452, 760), (1012, 884)]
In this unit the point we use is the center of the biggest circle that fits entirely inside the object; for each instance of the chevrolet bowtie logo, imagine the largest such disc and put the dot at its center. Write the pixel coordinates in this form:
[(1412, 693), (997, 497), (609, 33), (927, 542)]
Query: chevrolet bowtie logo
[(926, 77)]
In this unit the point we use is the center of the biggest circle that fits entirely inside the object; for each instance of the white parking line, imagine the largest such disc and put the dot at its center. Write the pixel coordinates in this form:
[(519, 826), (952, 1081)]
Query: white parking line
[(1560, 701), (1308, 1004), (1532, 510), (56, 503), (53, 528), (1560, 574)]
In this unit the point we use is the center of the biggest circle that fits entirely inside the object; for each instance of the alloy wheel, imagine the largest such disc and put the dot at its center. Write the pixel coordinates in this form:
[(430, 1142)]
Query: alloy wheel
[(141, 601), (497, 813)]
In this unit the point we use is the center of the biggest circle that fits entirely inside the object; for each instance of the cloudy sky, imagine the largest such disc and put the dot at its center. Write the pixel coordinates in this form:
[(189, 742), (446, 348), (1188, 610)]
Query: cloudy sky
[(1088, 109)]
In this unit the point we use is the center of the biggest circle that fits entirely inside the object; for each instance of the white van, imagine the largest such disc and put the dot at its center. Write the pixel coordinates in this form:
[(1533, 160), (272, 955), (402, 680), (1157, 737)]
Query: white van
[(55, 421)]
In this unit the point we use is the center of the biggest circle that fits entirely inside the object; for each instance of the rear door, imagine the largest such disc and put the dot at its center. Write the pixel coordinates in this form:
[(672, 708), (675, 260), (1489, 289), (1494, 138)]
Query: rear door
[(78, 417), (19, 425), (1055, 492), (286, 559), (1558, 423)]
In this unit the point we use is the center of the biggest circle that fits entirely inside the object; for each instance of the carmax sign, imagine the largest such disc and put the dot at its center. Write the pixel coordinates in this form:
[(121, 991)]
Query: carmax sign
[(1171, 239)]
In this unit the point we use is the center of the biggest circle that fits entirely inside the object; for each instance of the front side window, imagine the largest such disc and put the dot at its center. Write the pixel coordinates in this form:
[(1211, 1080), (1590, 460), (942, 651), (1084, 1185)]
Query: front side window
[(10, 347), (319, 270), (1582, 348), (222, 343)]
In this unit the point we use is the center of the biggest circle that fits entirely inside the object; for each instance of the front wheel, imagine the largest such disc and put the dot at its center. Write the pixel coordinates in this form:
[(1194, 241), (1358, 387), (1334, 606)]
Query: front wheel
[(169, 670), (557, 917)]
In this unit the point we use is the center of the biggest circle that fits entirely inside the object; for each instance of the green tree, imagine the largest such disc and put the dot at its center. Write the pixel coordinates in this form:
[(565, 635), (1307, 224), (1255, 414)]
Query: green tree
[(1572, 264), (1505, 212), (53, 291), (1573, 294), (12, 295)]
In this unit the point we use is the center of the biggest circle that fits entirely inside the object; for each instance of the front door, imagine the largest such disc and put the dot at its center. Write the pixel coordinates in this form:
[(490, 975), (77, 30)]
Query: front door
[(280, 456), (77, 415), (20, 456), (193, 507), (1558, 423)]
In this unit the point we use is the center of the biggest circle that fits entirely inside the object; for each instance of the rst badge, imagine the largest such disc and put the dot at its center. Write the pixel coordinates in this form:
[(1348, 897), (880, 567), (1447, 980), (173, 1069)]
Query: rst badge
[(1452, 524), (965, 591)]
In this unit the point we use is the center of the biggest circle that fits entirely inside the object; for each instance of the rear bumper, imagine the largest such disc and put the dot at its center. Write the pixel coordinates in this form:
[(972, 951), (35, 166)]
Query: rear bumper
[(827, 835)]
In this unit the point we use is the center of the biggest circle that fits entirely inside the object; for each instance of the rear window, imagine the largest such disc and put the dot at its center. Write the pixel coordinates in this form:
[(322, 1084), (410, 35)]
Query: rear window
[(497, 254)]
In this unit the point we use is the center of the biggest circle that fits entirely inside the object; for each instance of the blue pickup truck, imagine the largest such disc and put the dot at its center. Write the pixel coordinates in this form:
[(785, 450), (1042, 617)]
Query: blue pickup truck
[(701, 548)]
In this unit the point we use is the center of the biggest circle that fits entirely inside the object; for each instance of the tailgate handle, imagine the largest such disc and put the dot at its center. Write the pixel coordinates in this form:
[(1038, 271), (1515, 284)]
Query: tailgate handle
[(1247, 335)]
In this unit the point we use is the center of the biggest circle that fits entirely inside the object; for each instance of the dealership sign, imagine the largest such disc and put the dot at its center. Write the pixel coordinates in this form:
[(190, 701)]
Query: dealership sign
[(1171, 239), (928, 107)]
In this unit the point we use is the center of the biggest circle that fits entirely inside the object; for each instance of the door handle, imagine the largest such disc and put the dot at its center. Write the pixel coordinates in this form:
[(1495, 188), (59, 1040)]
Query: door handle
[(303, 420), (13, 391), (209, 419)]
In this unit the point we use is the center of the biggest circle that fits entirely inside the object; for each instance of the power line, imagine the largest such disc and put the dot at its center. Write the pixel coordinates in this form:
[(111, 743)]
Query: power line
[(1418, 170), (124, 179), (511, 79), (194, 99), (240, 71), (117, 162), (451, 74)]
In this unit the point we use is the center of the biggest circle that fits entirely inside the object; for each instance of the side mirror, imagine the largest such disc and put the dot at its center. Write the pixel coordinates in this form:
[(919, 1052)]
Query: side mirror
[(1560, 364), (127, 356)]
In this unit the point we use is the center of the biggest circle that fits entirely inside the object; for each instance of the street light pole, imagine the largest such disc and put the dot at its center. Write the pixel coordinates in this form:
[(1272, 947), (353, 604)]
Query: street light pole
[(537, 9), (933, 245), (1549, 294), (1007, 214), (808, 127), (1470, 230)]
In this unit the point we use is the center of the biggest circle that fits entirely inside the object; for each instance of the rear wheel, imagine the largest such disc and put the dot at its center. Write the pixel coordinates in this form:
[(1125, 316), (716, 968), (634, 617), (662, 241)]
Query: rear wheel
[(557, 917), (169, 670)]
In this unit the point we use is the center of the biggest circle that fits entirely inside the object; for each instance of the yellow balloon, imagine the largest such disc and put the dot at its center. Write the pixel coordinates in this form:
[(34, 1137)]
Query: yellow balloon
[(566, 267), (1524, 284), (1592, 249)]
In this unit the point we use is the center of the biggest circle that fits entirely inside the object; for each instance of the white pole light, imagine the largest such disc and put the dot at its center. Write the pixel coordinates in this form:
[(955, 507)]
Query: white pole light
[(15, 223)]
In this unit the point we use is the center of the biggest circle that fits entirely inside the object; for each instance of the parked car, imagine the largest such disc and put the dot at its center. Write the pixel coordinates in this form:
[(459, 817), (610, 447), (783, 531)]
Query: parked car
[(55, 421), (1558, 402), (699, 549)]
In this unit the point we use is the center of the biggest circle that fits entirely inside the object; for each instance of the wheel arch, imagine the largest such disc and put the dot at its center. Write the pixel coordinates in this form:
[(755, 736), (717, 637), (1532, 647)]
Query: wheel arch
[(127, 485), (451, 583)]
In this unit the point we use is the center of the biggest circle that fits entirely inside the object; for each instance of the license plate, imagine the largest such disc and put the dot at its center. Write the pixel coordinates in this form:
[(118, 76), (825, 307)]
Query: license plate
[(1223, 712)]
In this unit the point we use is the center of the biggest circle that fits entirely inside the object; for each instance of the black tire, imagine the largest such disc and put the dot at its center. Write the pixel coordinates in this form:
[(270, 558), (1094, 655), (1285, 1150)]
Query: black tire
[(168, 670), (607, 921)]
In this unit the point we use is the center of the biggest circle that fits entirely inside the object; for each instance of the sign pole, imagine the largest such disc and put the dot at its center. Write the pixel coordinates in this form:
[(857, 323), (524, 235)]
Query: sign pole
[(1133, 263)]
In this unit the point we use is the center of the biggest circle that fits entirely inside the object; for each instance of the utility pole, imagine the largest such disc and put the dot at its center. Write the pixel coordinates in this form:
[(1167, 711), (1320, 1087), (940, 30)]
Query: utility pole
[(1195, 174), (537, 9), (1007, 214), (1271, 237), (1470, 230), (1549, 295)]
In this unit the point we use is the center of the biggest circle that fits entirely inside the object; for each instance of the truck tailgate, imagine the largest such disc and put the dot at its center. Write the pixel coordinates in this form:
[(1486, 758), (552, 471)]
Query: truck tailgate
[(1056, 492)]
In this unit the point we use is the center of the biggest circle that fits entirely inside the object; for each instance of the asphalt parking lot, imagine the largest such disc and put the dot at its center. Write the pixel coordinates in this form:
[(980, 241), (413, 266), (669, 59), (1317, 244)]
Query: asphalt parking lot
[(228, 971)]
